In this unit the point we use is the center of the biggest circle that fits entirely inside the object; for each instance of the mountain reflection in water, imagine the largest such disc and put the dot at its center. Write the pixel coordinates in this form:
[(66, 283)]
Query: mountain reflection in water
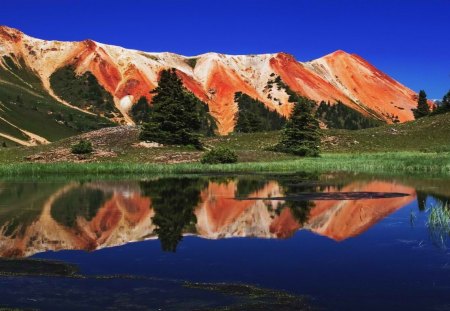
[(36, 217)]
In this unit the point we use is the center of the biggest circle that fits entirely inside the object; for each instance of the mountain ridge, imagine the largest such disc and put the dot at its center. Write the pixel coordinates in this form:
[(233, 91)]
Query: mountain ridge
[(214, 78)]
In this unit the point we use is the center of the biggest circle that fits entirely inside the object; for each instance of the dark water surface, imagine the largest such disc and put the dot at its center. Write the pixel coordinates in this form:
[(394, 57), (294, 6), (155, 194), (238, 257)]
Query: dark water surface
[(287, 242)]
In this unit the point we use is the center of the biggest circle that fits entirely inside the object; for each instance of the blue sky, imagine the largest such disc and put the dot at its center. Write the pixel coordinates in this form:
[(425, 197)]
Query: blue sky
[(409, 40)]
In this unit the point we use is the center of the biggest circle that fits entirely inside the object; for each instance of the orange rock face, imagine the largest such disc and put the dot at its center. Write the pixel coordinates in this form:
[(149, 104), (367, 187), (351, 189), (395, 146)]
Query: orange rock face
[(222, 84), (193, 86), (303, 81), (10, 34), (94, 59), (368, 86), (134, 83)]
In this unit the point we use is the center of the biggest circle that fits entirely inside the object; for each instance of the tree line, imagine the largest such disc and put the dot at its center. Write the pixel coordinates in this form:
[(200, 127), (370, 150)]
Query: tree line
[(423, 109)]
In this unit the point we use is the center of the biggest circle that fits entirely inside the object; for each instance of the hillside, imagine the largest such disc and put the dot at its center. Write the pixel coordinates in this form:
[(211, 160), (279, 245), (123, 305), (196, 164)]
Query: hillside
[(30, 116), (429, 134), (121, 144), (71, 74)]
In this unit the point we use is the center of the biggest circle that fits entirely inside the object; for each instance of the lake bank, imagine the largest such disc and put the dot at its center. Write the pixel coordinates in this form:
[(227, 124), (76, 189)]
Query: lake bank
[(388, 162)]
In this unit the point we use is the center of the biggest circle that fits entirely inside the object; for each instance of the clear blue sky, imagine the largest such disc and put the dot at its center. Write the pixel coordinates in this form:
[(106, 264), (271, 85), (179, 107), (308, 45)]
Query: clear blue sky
[(409, 40)]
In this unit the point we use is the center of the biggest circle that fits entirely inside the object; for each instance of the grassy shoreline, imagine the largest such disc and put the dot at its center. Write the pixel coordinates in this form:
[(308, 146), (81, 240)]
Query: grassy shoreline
[(387, 162), (418, 147)]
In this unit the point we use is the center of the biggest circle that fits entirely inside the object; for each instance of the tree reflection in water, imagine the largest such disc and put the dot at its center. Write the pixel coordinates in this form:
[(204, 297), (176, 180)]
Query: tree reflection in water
[(174, 201), (300, 183)]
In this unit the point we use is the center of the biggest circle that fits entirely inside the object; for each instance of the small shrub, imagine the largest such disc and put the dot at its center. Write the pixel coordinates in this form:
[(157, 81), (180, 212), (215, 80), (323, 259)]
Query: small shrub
[(4, 145), (219, 156), (83, 147)]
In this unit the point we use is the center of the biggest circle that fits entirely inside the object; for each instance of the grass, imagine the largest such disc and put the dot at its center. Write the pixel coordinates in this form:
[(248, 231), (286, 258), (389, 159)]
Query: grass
[(25, 103), (429, 134), (438, 223), (415, 147), (82, 91), (406, 162)]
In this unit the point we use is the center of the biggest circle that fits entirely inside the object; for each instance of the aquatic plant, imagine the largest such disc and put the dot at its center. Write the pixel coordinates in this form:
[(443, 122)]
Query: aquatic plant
[(438, 223)]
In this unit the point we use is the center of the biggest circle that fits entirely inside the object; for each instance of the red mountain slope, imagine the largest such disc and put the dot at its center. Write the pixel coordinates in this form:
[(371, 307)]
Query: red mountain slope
[(215, 78)]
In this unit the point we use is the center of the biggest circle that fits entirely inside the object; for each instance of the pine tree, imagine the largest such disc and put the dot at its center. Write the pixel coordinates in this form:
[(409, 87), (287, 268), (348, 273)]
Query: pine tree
[(301, 134), (176, 116), (140, 111), (446, 102), (444, 106), (254, 116), (422, 109)]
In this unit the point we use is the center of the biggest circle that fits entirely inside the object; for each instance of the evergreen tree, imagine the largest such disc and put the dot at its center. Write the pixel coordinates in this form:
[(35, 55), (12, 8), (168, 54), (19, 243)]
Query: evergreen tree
[(140, 111), (253, 116), (176, 116), (446, 102), (444, 106), (422, 109), (342, 117), (301, 134)]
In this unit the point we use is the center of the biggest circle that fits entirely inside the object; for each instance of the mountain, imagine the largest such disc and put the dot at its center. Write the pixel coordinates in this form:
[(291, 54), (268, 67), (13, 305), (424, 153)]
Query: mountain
[(96, 83)]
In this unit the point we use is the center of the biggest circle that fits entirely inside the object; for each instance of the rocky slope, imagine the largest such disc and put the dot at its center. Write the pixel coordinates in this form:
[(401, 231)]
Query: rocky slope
[(215, 78)]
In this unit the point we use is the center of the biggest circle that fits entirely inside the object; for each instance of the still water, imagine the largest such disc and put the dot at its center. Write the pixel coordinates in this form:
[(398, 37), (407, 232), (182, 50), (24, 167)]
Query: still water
[(255, 242)]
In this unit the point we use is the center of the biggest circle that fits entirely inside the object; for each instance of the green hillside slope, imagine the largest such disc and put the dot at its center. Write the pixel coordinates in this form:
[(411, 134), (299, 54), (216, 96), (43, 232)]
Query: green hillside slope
[(429, 134), (25, 105)]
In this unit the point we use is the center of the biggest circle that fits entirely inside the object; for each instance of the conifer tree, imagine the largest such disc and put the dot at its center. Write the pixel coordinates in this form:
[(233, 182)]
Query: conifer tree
[(444, 106), (446, 102), (301, 134), (422, 109), (140, 111), (176, 117), (254, 116)]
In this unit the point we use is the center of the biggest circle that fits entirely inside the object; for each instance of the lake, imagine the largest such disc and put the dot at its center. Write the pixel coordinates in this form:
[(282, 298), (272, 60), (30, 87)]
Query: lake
[(298, 241)]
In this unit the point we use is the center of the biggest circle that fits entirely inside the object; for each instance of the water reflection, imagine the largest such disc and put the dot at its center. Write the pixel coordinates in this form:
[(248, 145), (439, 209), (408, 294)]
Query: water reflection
[(35, 217), (173, 202)]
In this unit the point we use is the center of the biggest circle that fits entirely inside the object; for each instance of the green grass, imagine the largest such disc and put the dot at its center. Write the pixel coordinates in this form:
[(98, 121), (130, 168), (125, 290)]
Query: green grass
[(417, 147), (25, 103), (429, 134), (83, 91), (406, 162), (11, 130)]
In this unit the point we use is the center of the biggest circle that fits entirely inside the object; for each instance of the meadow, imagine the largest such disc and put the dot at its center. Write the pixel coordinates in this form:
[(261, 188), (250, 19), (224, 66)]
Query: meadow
[(418, 147)]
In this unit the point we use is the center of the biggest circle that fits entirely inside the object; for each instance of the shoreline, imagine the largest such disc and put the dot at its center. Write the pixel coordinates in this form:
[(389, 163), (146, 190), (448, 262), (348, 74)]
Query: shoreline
[(433, 164)]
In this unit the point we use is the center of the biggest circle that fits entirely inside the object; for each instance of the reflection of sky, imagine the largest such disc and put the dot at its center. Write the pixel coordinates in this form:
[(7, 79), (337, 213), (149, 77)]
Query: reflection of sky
[(392, 264), (388, 263)]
